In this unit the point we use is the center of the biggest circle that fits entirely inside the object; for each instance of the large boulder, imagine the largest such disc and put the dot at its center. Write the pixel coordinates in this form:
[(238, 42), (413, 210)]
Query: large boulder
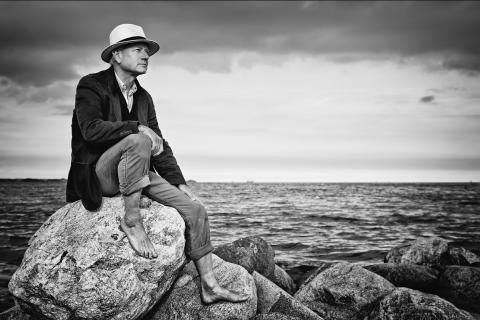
[(404, 303), (282, 279), (417, 277), (272, 298), (79, 264), (343, 291), (461, 286), (423, 251), (252, 253), (184, 302)]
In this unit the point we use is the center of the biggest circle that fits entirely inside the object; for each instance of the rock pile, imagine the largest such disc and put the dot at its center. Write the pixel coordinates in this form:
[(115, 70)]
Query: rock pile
[(79, 265)]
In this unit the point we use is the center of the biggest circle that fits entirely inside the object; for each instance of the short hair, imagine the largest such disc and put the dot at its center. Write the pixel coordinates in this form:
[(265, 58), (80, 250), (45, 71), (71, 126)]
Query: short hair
[(128, 45)]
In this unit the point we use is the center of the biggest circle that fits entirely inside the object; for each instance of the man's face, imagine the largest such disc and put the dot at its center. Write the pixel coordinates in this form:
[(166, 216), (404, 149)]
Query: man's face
[(133, 59)]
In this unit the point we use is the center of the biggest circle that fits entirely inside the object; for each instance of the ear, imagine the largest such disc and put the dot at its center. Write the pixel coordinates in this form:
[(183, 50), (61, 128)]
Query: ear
[(117, 56)]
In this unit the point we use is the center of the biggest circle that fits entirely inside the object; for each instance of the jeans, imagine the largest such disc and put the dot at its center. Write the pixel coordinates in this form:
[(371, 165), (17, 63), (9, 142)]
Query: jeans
[(124, 168)]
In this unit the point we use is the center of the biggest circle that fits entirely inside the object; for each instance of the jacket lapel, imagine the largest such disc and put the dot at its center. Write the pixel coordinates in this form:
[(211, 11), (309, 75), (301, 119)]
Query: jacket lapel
[(142, 105)]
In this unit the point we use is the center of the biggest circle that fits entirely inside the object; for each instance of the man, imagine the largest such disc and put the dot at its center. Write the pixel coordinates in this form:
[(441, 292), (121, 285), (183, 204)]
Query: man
[(117, 147)]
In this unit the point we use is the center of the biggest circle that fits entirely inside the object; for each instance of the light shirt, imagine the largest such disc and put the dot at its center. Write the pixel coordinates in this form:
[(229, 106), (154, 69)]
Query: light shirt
[(127, 94)]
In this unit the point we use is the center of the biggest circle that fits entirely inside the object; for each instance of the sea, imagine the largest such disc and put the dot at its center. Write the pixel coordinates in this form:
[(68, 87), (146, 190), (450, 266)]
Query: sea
[(305, 223)]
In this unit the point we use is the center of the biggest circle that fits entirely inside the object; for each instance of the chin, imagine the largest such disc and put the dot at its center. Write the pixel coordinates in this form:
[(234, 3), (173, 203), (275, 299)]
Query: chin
[(139, 72)]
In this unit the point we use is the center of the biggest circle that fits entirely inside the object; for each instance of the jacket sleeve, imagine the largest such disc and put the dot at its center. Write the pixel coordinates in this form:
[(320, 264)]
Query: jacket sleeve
[(88, 107), (165, 163)]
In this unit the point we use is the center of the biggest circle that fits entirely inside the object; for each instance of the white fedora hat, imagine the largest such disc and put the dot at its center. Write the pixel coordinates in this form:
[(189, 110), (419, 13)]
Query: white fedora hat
[(125, 34)]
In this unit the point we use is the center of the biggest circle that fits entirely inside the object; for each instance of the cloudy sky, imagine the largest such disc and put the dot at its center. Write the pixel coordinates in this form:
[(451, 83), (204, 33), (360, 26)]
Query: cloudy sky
[(264, 91)]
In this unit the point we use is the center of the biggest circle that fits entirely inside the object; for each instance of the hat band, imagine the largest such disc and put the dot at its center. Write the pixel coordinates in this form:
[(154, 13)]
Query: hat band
[(132, 38)]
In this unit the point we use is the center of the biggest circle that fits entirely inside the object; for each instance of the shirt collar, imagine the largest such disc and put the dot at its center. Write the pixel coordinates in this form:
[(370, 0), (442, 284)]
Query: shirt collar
[(123, 87)]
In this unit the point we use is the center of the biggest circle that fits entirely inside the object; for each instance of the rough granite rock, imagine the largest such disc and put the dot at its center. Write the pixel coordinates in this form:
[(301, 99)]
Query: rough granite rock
[(79, 264), (252, 253), (343, 291), (423, 251), (404, 303), (462, 257), (275, 316), (272, 298), (282, 279), (461, 286), (417, 277), (184, 302)]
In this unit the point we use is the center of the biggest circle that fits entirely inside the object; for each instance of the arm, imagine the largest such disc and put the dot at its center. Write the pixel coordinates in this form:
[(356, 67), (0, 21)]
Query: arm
[(165, 163), (88, 107)]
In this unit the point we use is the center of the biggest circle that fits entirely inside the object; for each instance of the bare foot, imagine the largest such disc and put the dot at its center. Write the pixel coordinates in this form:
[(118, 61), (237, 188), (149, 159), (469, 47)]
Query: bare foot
[(210, 295), (138, 239)]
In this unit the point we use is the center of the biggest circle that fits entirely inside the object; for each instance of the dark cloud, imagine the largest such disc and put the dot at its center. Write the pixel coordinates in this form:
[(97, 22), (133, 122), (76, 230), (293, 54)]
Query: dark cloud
[(40, 66), (41, 40), (427, 99), (25, 94), (469, 65)]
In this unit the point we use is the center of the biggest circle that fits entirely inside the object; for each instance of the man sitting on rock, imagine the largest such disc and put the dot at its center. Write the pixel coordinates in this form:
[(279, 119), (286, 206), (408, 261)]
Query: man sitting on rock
[(117, 147)]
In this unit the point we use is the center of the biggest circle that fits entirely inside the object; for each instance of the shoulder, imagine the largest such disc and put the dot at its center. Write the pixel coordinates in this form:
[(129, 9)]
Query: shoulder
[(94, 80)]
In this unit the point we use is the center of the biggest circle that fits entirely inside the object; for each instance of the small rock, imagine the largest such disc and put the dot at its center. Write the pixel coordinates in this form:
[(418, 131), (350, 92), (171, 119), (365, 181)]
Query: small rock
[(404, 303), (462, 257), (184, 302), (423, 251), (461, 286), (74, 268), (417, 277), (283, 280), (343, 291), (272, 298), (252, 253)]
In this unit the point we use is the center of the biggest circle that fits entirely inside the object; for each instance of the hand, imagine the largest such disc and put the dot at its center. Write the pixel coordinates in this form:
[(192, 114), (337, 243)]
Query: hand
[(157, 142), (189, 193)]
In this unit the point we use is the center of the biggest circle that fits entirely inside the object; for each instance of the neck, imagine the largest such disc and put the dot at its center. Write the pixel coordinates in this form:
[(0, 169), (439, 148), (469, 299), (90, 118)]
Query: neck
[(126, 77)]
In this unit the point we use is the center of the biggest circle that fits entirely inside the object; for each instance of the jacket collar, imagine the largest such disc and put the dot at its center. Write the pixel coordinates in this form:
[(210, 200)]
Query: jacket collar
[(142, 101)]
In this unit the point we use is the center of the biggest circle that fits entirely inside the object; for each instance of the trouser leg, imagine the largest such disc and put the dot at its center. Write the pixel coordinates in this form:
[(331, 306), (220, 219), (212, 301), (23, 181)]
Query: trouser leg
[(124, 166), (197, 233)]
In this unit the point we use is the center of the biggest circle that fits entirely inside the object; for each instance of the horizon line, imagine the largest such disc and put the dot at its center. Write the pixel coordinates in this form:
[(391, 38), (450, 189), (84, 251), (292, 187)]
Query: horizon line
[(255, 182)]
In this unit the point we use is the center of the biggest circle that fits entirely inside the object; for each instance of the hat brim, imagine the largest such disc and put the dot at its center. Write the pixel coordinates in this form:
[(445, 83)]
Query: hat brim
[(153, 47)]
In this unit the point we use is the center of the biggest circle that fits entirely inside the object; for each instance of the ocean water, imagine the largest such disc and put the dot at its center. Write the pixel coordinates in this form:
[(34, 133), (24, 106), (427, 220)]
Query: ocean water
[(306, 223)]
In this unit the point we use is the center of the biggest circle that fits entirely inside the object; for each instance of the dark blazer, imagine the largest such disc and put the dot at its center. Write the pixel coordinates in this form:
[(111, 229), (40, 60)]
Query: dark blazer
[(97, 125)]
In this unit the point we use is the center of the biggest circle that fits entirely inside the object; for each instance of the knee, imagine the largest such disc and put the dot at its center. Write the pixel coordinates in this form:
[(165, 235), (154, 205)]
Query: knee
[(140, 142), (199, 214)]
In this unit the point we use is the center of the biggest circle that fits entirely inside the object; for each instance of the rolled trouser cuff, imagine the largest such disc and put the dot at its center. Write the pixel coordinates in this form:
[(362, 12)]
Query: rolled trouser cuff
[(135, 186), (197, 253)]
